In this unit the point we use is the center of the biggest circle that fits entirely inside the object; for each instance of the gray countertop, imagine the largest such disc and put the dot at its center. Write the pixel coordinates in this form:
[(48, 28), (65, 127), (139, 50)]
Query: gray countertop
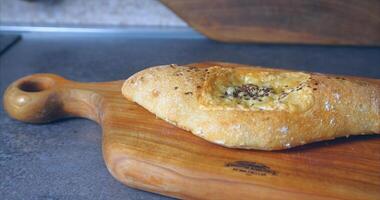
[(63, 160)]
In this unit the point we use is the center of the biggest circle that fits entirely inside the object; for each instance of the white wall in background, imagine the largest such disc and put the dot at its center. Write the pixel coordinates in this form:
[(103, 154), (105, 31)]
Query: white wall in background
[(87, 13)]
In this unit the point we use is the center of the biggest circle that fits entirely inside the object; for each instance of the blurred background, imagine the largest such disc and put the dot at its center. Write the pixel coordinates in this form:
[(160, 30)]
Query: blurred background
[(87, 13), (106, 40), (336, 22)]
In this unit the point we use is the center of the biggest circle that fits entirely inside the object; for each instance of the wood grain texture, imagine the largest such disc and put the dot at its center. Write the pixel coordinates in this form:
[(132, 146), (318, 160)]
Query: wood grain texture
[(145, 152), (336, 22)]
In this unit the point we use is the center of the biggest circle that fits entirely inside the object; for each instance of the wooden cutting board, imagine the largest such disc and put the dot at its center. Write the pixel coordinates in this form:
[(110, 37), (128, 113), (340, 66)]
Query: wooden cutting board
[(147, 153), (336, 22)]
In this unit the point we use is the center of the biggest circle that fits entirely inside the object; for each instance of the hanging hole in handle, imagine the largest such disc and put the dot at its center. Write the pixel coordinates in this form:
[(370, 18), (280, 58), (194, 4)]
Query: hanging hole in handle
[(35, 98), (36, 84)]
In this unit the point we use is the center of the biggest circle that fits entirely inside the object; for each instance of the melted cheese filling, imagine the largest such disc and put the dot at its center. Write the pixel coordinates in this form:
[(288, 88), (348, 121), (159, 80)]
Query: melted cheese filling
[(250, 89)]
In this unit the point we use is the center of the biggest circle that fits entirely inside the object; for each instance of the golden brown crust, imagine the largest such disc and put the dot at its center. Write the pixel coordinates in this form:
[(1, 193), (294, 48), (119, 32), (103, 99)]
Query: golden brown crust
[(340, 106)]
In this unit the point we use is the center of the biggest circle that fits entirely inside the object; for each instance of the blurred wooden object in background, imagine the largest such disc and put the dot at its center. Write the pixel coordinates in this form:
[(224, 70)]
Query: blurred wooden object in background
[(335, 22)]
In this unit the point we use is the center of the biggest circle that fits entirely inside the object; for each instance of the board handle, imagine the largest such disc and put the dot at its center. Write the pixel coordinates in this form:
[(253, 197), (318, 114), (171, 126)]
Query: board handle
[(42, 98)]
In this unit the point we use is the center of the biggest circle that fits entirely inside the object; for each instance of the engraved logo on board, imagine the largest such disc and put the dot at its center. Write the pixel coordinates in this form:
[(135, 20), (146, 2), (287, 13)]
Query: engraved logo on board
[(251, 168)]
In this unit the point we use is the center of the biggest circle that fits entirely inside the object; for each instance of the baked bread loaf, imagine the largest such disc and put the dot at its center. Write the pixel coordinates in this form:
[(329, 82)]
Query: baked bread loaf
[(246, 107)]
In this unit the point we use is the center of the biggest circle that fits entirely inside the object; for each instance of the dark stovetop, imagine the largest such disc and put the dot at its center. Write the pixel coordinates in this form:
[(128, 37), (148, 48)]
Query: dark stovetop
[(63, 160)]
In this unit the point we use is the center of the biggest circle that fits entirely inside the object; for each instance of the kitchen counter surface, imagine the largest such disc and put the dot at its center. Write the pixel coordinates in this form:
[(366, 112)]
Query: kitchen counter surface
[(63, 160)]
